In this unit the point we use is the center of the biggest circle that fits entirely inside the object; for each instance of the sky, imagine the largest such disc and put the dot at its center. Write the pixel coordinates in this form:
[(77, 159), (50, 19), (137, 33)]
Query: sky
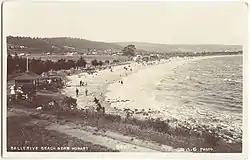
[(155, 22)]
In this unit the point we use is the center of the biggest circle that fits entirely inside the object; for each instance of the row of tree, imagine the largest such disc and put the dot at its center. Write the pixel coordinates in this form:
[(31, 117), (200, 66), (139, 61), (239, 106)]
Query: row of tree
[(16, 64)]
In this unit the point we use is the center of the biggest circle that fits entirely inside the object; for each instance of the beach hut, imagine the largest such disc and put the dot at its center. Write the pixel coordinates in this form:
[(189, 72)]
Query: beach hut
[(27, 81), (27, 78)]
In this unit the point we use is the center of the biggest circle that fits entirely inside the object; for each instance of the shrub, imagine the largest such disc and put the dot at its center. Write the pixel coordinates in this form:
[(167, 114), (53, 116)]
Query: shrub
[(94, 62), (161, 126), (115, 61), (211, 139), (100, 63), (112, 118), (68, 102)]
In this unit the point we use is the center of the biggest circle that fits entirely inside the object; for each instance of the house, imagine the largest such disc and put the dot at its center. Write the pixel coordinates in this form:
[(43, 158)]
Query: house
[(28, 81), (27, 78), (153, 57)]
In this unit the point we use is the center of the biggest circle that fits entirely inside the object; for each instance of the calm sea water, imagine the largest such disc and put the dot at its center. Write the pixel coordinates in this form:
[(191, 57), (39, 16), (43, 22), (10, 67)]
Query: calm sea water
[(207, 91)]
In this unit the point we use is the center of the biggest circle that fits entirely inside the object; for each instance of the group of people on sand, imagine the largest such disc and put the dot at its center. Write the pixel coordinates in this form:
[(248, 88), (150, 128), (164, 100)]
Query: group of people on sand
[(16, 92), (99, 108), (82, 83), (121, 81), (77, 92)]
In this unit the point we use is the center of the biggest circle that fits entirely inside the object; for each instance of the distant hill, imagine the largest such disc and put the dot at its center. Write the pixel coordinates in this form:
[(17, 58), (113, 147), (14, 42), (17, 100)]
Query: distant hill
[(65, 44), (56, 45), (155, 47)]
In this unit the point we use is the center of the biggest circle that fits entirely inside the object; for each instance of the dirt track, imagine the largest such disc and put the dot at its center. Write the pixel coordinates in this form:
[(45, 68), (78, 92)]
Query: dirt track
[(109, 141)]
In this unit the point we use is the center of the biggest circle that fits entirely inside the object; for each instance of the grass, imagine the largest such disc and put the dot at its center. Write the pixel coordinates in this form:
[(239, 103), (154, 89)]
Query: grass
[(20, 135), (152, 129)]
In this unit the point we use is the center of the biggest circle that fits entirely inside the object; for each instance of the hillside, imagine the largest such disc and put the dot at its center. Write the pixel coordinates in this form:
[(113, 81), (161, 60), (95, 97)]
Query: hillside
[(154, 47), (65, 44), (56, 45)]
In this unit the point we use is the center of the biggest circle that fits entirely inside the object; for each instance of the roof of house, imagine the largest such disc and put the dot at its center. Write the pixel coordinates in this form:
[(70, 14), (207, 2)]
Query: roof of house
[(48, 76), (27, 76)]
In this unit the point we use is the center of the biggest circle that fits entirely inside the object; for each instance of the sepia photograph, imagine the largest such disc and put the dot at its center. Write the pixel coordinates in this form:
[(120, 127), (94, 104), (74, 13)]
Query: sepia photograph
[(134, 76)]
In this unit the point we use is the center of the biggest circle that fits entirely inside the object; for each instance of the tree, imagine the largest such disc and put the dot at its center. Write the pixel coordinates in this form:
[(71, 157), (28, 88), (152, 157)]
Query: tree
[(70, 64), (81, 62), (94, 62), (107, 61), (10, 64), (115, 61), (129, 50), (48, 65), (37, 65), (60, 64), (100, 63)]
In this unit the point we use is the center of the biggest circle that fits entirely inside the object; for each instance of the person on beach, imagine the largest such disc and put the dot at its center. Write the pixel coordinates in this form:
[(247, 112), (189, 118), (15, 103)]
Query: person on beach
[(121, 82), (96, 100), (19, 93), (81, 83), (86, 92), (99, 108), (77, 92), (13, 92)]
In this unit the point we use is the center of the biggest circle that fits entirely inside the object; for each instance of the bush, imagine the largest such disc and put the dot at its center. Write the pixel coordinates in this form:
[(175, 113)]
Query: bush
[(81, 62), (112, 118), (211, 139), (68, 103), (94, 62), (100, 63), (161, 126)]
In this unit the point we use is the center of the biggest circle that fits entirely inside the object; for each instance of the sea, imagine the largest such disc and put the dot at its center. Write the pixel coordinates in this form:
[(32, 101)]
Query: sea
[(205, 92)]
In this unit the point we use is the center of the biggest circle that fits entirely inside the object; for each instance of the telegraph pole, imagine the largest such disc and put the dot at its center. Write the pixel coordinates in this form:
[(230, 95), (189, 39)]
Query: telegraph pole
[(27, 62)]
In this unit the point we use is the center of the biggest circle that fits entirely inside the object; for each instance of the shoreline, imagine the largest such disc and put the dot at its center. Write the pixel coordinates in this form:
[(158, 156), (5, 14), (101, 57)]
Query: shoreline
[(97, 85), (103, 132)]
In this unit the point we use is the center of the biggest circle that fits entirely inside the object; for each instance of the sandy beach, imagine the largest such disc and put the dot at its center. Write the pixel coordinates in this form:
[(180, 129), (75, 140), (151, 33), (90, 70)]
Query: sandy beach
[(117, 97), (105, 85), (136, 93), (97, 85)]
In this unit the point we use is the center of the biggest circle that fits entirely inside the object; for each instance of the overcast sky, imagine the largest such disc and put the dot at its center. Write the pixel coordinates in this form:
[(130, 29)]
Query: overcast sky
[(161, 22)]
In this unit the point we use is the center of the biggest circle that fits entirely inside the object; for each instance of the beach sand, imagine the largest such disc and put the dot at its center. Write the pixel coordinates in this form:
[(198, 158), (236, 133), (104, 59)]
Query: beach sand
[(97, 84), (106, 87), (137, 84)]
